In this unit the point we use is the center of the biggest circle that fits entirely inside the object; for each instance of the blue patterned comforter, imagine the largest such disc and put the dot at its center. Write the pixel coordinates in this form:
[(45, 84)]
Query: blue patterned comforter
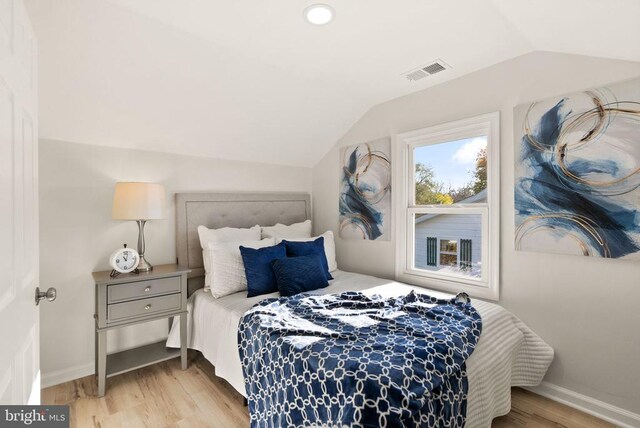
[(354, 360)]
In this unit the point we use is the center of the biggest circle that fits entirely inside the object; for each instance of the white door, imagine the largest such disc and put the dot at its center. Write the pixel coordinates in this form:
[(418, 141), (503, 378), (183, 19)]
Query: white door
[(19, 332)]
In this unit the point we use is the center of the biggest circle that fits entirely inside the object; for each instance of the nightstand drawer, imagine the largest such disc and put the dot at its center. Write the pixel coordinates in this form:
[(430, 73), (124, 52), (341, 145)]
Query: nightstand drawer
[(143, 307), (142, 289)]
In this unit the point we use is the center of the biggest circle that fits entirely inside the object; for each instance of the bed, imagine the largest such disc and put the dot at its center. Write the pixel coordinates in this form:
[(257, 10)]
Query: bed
[(507, 354)]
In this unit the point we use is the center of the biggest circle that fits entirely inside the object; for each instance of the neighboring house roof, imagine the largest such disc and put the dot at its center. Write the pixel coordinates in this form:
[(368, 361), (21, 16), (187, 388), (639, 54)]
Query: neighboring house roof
[(477, 198)]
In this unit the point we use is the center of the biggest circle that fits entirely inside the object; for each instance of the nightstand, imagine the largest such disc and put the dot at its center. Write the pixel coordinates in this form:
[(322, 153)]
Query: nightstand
[(130, 299)]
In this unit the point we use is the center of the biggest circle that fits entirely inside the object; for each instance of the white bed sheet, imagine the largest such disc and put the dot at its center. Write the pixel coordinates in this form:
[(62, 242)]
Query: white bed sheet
[(508, 352)]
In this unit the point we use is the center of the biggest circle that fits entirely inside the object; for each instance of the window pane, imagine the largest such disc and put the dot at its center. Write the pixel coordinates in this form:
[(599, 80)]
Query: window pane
[(449, 244), (451, 172), (448, 260)]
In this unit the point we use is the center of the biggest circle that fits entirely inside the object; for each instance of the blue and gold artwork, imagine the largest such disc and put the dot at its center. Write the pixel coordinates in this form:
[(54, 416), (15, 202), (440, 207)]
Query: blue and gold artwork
[(577, 173), (365, 191)]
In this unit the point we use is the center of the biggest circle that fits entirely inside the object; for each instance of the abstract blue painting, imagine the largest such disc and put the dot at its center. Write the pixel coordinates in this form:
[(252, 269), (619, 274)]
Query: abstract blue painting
[(365, 190), (577, 173)]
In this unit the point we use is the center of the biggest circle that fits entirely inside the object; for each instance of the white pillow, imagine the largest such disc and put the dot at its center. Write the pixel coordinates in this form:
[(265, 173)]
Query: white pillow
[(329, 247), (294, 231), (224, 234), (228, 275), (227, 234)]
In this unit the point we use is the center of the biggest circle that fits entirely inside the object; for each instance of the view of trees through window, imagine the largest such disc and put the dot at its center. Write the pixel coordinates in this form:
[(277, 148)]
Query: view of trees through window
[(451, 172)]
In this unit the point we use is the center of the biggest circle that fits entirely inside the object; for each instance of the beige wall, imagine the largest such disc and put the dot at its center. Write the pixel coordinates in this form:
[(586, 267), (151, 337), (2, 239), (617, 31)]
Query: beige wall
[(587, 309), (77, 234)]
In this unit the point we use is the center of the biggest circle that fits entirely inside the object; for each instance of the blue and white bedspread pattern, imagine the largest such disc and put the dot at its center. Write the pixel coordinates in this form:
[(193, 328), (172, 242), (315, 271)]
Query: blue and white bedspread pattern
[(354, 360)]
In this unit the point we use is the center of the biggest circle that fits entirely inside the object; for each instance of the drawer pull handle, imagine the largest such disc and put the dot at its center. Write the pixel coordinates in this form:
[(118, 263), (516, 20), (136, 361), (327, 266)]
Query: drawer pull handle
[(146, 308), (148, 288)]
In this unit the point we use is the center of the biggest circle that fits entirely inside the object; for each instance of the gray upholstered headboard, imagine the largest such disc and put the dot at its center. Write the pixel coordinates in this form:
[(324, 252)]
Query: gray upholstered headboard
[(216, 210)]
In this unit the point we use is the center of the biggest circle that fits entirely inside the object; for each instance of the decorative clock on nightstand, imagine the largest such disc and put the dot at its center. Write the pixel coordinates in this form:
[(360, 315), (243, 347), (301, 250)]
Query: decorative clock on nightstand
[(123, 260)]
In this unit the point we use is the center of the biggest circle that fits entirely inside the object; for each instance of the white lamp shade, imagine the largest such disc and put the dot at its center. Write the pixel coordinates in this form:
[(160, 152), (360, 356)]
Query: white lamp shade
[(138, 201)]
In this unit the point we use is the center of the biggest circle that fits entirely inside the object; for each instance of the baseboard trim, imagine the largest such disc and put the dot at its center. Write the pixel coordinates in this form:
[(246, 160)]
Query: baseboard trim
[(65, 375), (597, 408)]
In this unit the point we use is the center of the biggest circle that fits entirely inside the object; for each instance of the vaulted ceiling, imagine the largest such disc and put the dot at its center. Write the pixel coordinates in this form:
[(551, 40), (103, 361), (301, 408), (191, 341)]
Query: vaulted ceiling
[(252, 80)]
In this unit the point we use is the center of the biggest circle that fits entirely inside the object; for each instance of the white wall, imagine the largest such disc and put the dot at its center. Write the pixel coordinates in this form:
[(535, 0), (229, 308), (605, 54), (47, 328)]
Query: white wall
[(77, 234), (586, 308)]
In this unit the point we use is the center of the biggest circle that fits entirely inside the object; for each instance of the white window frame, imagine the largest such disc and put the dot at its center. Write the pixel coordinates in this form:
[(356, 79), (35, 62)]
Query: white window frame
[(488, 286)]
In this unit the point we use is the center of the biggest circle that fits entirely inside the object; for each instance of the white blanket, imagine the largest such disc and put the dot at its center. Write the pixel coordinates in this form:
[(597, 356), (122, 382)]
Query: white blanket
[(508, 352)]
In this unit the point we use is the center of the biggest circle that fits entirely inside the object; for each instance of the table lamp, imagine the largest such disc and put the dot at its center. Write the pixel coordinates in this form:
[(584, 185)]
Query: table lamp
[(139, 202)]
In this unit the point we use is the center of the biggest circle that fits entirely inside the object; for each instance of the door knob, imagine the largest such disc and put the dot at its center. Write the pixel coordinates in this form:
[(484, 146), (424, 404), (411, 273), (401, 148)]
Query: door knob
[(50, 295)]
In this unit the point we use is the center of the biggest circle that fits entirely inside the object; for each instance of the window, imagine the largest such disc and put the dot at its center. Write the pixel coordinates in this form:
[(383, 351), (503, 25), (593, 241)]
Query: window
[(449, 252), (448, 203)]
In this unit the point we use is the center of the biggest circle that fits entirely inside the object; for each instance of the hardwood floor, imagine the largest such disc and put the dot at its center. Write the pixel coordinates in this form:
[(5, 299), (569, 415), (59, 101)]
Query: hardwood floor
[(162, 395), (532, 410)]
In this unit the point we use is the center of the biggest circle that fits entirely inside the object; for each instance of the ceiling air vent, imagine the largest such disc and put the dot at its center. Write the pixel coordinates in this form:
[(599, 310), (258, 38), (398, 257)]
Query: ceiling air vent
[(426, 70)]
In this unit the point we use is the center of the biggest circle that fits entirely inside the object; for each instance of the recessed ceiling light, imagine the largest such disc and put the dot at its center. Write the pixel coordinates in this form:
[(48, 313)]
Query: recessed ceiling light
[(319, 14)]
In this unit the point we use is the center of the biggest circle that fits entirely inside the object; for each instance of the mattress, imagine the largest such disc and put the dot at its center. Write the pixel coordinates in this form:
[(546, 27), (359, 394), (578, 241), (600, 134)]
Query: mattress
[(508, 352)]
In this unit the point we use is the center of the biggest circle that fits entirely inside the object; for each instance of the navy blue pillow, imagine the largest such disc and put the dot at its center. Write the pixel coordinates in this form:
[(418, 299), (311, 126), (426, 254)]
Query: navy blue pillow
[(299, 274), (257, 266), (309, 248)]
